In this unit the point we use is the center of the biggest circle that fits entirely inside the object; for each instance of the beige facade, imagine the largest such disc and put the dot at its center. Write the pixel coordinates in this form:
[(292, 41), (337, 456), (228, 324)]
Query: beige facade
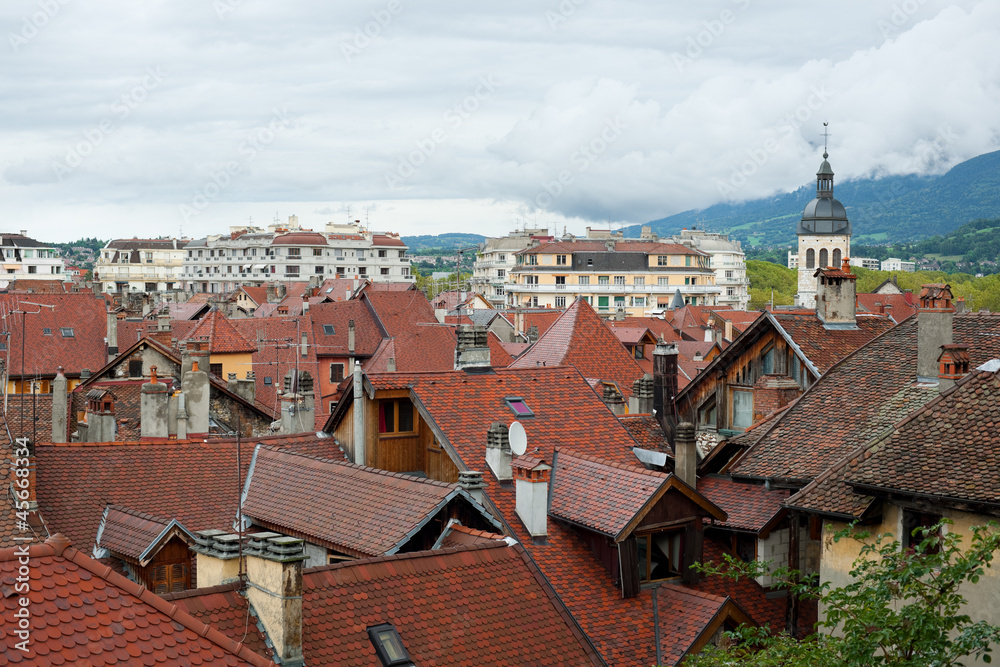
[(818, 252), (634, 278), (140, 265)]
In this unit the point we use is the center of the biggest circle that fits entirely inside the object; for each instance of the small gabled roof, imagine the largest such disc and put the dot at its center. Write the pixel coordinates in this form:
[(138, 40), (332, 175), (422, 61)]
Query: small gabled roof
[(611, 498), (137, 535), (750, 507), (421, 342), (579, 338), (221, 336), (256, 294), (67, 586), (354, 509)]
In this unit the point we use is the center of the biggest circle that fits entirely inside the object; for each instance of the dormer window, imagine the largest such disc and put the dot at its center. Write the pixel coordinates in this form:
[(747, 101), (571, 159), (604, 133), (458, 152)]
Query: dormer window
[(67, 332), (518, 406), (389, 646)]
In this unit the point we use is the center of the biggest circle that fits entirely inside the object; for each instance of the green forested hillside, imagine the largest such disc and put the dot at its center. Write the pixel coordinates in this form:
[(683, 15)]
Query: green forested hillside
[(979, 293)]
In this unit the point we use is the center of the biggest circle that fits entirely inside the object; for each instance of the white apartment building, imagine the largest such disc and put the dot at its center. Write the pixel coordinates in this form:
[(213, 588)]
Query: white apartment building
[(252, 256), (728, 261), (27, 259), (896, 264), (865, 262), (140, 265), (495, 260)]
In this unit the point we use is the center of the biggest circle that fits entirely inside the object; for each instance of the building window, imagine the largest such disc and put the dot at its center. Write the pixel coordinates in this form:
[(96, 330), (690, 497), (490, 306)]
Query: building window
[(590, 261), (395, 416), (501, 258), (730, 291), (561, 280), (620, 302), (215, 369), (687, 260), (381, 253), (662, 260), (919, 522), (518, 406), (362, 271), (294, 252), (823, 257), (560, 302), (389, 646), (531, 280), (46, 331), (317, 252), (291, 270), (638, 351), (534, 302), (603, 280), (384, 271), (729, 275), (583, 280), (561, 260), (639, 301), (639, 282), (336, 372), (498, 290), (360, 254), (501, 273), (742, 409), (619, 280), (135, 368), (706, 413), (267, 381), (318, 270), (660, 555), (767, 361), (32, 269), (810, 259), (836, 258), (329, 329), (663, 282)]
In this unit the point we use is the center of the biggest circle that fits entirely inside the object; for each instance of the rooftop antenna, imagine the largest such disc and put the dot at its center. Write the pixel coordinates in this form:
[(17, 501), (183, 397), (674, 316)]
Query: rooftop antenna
[(348, 214), (277, 220), (518, 438), (826, 137)]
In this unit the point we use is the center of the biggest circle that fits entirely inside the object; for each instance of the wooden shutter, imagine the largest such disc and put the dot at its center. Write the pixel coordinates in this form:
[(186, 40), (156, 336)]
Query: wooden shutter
[(628, 564)]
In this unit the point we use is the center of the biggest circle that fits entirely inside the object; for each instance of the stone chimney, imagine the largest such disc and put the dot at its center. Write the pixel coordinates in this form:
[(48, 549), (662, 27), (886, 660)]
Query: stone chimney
[(498, 454), (953, 364), (960, 304), (60, 406), (101, 426), (934, 328), (472, 350), (196, 399), (533, 334), (112, 335), (472, 482), (665, 385), (304, 347), (350, 336), (531, 492), (190, 353), (163, 321), (274, 572), (642, 396), (836, 297), (686, 455), (153, 409), (297, 404), (613, 399), (247, 387)]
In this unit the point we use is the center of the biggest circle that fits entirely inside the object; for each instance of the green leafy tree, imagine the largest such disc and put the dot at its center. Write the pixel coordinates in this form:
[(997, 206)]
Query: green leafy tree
[(904, 607)]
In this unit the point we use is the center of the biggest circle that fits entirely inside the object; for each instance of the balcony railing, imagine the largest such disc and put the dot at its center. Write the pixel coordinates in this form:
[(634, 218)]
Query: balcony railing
[(617, 289)]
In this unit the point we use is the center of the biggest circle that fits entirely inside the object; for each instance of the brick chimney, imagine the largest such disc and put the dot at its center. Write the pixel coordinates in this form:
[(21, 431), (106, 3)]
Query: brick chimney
[(531, 492), (935, 317), (498, 454), (953, 364), (472, 350), (836, 297)]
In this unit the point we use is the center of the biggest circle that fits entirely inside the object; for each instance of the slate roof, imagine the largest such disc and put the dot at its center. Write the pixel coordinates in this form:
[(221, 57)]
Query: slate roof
[(647, 432), (600, 495), (76, 481), (858, 398), (131, 533), (487, 605), (357, 510), (421, 342), (579, 338), (82, 312), (949, 448), (222, 337), (749, 506), (84, 613)]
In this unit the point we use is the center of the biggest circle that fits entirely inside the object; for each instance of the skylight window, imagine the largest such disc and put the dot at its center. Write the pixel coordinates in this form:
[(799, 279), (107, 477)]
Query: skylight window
[(518, 406), (389, 646), (46, 331), (328, 329), (67, 332), (267, 380)]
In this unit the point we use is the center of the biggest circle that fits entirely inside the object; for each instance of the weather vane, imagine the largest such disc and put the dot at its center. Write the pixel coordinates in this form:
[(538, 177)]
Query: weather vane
[(826, 136)]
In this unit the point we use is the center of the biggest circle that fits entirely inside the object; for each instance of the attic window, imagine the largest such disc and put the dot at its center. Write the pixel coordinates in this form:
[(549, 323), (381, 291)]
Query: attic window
[(46, 331), (267, 380), (518, 406), (67, 332), (389, 645), (328, 329)]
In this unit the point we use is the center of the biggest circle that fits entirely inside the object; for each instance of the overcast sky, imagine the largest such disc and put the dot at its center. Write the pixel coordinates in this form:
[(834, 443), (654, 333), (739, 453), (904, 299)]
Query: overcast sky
[(169, 116)]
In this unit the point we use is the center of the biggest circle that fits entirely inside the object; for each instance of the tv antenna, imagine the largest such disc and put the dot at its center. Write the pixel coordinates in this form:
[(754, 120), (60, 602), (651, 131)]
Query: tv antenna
[(518, 438), (826, 137)]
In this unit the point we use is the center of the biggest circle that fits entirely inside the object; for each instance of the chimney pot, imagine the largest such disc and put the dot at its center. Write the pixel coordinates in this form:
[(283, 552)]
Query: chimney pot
[(531, 494), (686, 455)]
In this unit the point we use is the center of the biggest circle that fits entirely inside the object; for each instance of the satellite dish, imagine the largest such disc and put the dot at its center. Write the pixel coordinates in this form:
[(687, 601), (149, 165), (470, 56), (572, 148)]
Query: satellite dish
[(518, 438)]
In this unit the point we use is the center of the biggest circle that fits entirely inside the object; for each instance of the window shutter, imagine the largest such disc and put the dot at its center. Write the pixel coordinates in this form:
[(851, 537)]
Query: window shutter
[(628, 564)]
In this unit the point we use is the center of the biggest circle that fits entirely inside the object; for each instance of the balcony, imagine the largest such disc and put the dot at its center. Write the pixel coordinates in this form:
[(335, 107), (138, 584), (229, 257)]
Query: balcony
[(615, 289)]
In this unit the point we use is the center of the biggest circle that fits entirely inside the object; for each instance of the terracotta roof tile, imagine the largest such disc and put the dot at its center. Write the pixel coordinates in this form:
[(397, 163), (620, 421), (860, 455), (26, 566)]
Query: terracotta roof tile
[(422, 343), (376, 511), (129, 532), (457, 535), (647, 432), (225, 609), (84, 613), (220, 334), (749, 506), (579, 338)]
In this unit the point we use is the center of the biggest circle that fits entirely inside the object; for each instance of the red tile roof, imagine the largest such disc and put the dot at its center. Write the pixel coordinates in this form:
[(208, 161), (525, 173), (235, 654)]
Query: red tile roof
[(81, 312), (826, 347), (859, 397), (221, 336), (579, 338), (647, 432), (339, 315), (897, 306), (749, 506), (76, 481), (487, 605), (421, 342), (131, 533), (457, 535), (543, 319), (225, 609), (948, 448), (82, 612), (257, 294), (376, 512), (600, 495), (657, 326), (386, 240), (499, 356)]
